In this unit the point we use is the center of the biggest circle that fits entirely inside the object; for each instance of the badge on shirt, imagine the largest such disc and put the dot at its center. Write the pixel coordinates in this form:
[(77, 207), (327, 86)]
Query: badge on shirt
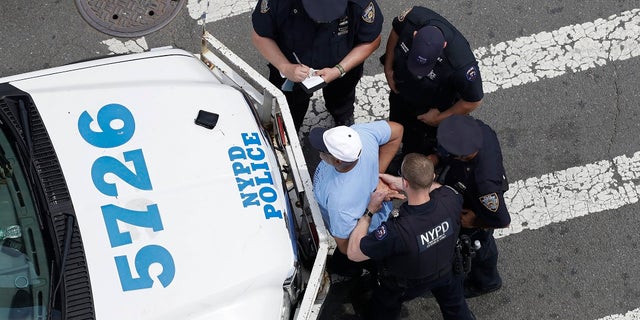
[(369, 13), (264, 6), (404, 14), (490, 201), (472, 73), (381, 232)]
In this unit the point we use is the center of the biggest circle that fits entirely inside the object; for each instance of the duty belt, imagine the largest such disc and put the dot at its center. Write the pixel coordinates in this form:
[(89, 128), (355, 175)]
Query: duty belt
[(405, 282)]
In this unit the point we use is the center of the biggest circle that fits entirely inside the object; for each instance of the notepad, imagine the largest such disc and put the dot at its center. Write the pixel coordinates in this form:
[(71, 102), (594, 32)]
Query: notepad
[(313, 83)]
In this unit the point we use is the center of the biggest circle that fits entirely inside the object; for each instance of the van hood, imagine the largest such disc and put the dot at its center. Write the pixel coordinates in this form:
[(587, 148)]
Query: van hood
[(178, 221)]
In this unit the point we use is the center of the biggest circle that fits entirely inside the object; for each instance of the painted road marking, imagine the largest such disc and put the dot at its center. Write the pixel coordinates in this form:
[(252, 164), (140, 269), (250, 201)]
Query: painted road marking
[(575, 192), (218, 9), (631, 315)]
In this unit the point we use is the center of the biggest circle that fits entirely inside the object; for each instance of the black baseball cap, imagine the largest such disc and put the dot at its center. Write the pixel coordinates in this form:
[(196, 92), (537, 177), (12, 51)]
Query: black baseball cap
[(460, 135), (324, 11), (427, 46)]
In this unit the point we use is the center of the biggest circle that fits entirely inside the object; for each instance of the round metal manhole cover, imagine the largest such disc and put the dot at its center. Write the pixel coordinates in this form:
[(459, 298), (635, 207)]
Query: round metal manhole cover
[(129, 18)]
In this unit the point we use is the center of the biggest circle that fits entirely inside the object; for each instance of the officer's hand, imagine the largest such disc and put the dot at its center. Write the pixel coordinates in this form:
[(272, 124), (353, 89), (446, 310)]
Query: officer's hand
[(468, 218), (393, 182), (328, 74), (390, 81), (393, 194), (375, 202), (431, 117), (296, 72)]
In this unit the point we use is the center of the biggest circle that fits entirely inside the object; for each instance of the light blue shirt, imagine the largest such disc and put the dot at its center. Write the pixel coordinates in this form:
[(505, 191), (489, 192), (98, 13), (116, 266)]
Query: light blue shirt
[(343, 196)]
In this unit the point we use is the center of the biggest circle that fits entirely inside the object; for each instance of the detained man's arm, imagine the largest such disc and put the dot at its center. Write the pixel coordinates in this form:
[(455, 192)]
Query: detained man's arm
[(389, 149), (270, 51), (433, 117), (355, 57)]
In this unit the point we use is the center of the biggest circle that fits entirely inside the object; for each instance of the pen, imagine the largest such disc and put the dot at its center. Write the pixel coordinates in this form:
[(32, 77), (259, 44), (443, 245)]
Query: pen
[(297, 59)]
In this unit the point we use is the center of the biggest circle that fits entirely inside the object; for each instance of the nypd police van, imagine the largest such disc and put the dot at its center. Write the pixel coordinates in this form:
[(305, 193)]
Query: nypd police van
[(159, 185)]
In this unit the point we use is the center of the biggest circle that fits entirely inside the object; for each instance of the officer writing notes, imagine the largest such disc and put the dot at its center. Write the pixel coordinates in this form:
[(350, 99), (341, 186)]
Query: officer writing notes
[(415, 249), (472, 158), (328, 38), (432, 74)]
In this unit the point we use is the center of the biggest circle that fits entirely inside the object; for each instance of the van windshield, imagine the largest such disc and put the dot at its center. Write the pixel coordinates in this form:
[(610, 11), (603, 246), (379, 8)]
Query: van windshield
[(24, 263)]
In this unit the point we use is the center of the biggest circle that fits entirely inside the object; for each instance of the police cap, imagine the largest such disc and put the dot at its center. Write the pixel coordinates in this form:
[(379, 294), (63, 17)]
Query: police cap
[(324, 11), (460, 135)]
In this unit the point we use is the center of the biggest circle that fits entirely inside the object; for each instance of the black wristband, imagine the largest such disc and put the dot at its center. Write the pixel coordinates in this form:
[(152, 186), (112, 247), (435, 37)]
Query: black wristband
[(367, 213)]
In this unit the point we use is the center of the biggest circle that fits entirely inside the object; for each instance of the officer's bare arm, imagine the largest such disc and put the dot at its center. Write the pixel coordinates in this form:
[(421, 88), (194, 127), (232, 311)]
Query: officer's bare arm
[(355, 57), (354, 252), (359, 53), (433, 117), (270, 51), (460, 107)]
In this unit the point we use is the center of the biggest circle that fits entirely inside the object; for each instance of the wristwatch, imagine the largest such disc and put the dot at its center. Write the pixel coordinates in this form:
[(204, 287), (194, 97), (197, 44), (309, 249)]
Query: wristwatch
[(367, 213), (341, 69)]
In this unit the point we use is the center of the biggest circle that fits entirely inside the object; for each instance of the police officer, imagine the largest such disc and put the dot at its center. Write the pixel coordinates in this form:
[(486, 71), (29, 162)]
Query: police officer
[(415, 249), (331, 38), (472, 158), (432, 74)]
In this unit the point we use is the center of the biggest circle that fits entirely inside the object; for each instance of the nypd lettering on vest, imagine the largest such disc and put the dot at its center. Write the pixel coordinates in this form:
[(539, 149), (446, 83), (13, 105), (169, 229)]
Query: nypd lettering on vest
[(434, 235)]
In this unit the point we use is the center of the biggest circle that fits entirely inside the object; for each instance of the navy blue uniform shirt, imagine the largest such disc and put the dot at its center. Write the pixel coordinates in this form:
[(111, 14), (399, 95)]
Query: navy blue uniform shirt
[(317, 45), (456, 74), (485, 180)]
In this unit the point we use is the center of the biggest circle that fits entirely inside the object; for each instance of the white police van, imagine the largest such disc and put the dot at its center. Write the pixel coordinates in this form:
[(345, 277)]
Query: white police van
[(159, 185)]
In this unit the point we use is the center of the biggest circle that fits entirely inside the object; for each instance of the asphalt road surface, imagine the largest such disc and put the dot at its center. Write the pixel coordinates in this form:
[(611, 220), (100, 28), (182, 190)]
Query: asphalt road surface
[(562, 93)]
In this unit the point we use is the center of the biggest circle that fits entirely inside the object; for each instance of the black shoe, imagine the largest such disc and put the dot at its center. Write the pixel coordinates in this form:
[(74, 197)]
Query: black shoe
[(471, 291)]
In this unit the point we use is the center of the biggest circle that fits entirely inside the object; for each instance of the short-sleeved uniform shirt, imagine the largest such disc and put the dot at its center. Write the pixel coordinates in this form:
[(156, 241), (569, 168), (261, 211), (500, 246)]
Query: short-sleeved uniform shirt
[(456, 74), (317, 45), (420, 241), (343, 196), (485, 180)]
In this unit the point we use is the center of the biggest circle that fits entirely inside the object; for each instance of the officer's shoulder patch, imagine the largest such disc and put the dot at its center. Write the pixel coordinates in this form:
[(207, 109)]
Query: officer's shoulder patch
[(490, 201), (369, 13), (472, 73), (264, 6), (394, 213), (381, 232), (404, 14)]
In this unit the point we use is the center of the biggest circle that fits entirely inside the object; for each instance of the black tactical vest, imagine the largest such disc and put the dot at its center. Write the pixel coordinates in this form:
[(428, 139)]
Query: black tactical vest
[(430, 237)]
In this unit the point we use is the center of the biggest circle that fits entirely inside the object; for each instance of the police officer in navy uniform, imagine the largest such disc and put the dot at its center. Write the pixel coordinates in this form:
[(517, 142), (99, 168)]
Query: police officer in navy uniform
[(432, 74), (329, 37), (415, 249), (472, 158)]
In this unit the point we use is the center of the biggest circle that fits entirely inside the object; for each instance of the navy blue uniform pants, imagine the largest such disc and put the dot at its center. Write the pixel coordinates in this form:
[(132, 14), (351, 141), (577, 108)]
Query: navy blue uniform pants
[(484, 266), (418, 136), (339, 96), (389, 295)]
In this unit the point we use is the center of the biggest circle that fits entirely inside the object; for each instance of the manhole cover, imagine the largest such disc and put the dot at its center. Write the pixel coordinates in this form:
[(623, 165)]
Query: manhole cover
[(129, 18)]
